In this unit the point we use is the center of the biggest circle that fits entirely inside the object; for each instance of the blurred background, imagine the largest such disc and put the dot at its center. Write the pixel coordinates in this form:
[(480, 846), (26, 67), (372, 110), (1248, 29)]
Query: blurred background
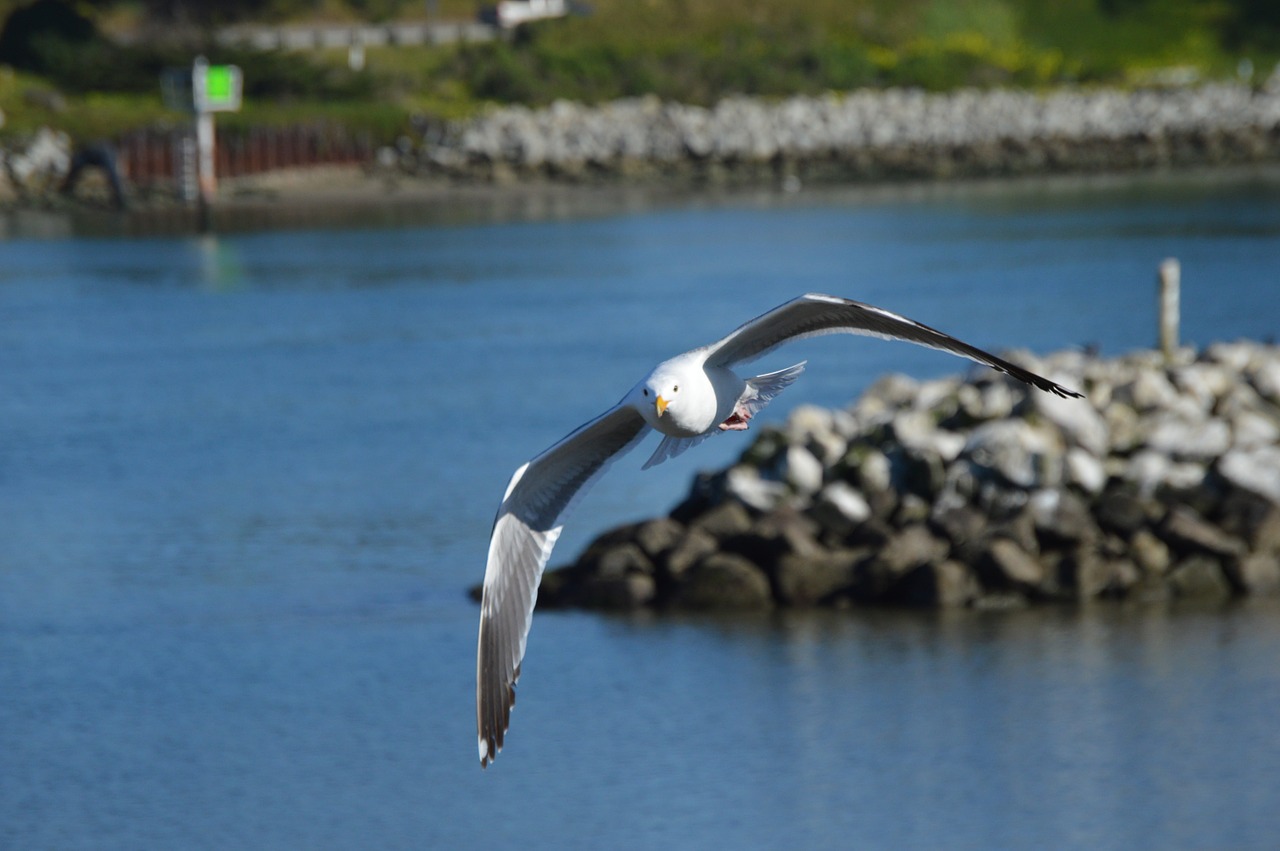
[(249, 460)]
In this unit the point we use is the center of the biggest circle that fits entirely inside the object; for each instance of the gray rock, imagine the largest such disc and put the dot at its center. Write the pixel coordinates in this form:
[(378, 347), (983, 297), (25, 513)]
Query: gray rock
[(659, 536), (745, 484), (1085, 573), (947, 584), (1254, 470), (1147, 390), (1200, 440), (840, 508), (910, 547), (1150, 553), (1187, 532), (810, 578), (1084, 471), (1265, 377), (724, 581), (1259, 574), (629, 591), (1014, 450), (1080, 424), (693, 548), (1061, 518), (1199, 576), (1004, 563)]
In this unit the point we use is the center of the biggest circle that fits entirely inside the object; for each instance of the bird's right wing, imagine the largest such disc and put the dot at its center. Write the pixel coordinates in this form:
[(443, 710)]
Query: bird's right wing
[(528, 523), (815, 313)]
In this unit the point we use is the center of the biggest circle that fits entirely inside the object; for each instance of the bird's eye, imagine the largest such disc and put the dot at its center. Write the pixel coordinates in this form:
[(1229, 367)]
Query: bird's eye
[(646, 391), (675, 389)]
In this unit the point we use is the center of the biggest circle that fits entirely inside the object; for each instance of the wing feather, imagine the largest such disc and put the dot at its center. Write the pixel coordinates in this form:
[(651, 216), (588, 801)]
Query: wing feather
[(814, 314), (540, 495)]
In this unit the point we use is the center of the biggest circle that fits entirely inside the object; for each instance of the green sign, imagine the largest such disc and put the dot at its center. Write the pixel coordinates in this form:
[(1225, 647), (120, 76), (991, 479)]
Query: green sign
[(218, 84), (216, 87)]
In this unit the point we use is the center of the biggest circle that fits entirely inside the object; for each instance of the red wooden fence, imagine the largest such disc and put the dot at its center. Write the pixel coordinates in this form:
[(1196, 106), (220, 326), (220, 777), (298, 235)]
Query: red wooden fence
[(154, 156)]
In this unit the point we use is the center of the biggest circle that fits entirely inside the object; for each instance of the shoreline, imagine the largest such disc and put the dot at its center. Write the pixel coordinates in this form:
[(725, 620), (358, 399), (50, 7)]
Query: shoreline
[(353, 196), (570, 155)]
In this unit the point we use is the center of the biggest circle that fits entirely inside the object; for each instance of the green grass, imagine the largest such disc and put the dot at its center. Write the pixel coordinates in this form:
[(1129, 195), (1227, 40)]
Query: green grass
[(697, 51)]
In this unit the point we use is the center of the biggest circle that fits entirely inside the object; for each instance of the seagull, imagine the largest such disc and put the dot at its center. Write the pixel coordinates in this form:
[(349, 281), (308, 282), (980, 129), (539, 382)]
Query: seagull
[(686, 399)]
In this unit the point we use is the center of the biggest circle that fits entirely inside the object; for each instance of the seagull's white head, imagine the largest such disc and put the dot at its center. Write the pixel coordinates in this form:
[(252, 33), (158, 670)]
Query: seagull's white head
[(658, 393)]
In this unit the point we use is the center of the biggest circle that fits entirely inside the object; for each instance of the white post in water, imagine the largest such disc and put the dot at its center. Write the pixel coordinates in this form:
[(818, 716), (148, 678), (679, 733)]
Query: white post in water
[(1170, 281)]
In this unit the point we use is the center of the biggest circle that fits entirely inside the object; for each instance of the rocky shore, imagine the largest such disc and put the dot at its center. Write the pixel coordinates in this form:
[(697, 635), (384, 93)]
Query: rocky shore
[(1163, 482), (863, 135)]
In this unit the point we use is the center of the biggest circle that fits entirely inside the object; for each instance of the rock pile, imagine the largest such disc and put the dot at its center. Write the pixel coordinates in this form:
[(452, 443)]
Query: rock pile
[(1164, 481), (868, 134)]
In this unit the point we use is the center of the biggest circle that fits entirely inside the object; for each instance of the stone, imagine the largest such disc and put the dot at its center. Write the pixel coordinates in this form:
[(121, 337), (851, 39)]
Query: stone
[(745, 485), (727, 518), (806, 579), (659, 536), (874, 473), (1265, 378), (1148, 390), (1084, 471), (910, 547), (724, 581), (1251, 430), (947, 584), (1013, 450), (1149, 552), (802, 470), (1253, 519), (1199, 576), (1259, 574), (964, 526), (1003, 563), (1061, 518), (1080, 424), (772, 538), (1187, 532), (918, 433), (1255, 470), (839, 507), (1201, 440), (1085, 573), (693, 548), (629, 591), (622, 560)]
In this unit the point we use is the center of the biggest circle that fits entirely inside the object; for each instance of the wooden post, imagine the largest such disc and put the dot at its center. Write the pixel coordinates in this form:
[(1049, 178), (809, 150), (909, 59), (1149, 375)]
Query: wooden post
[(1170, 282)]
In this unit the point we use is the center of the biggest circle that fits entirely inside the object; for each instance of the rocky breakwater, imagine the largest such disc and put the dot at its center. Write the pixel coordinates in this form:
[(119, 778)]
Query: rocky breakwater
[(866, 135), (1163, 482)]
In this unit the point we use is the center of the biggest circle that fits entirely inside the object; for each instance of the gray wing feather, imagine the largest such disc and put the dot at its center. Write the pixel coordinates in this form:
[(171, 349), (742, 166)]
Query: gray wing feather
[(814, 314), (525, 530)]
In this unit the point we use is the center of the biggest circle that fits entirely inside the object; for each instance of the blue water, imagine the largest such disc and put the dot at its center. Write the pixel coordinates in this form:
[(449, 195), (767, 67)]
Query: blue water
[(245, 481)]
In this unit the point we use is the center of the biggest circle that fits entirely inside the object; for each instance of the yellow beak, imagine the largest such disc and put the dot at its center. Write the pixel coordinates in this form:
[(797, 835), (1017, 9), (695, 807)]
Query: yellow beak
[(661, 405)]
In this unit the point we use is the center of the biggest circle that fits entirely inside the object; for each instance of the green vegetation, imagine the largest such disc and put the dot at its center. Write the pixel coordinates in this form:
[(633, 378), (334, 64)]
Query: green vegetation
[(694, 51)]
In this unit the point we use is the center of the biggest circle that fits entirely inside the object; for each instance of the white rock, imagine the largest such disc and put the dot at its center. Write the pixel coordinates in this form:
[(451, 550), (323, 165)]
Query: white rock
[(1266, 380), (1016, 450), (1148, 390), (1256, 470), (845, 501), (1079, 422), (802, 470), (1251, 430), (1084, 471), (745, 484), (1182, 439)]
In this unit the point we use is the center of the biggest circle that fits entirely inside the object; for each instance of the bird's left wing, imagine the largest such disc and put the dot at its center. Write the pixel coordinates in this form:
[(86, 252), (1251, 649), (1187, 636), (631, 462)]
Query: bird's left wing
[(814, 314), (524, 532)]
